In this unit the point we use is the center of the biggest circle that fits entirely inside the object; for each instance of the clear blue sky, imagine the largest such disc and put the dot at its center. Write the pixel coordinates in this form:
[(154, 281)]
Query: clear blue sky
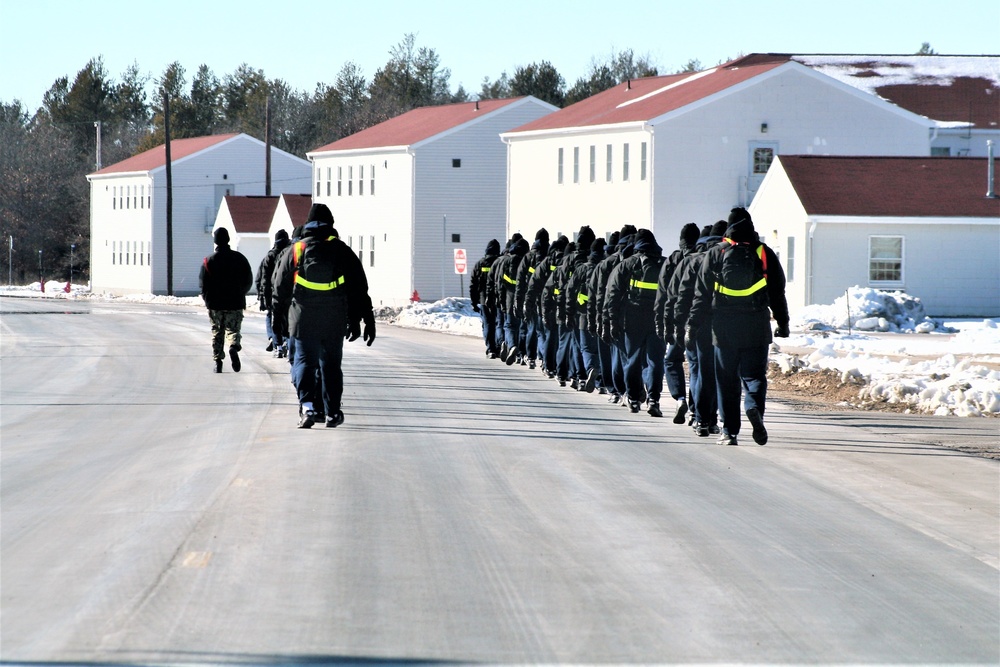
[(308, 42)]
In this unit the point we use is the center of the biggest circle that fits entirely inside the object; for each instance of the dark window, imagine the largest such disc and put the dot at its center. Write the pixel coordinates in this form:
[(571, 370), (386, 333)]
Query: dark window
[(456, 163), (456, 238)]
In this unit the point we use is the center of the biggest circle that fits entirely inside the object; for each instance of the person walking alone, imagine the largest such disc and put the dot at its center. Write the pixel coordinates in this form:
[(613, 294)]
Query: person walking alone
[(224, 281)]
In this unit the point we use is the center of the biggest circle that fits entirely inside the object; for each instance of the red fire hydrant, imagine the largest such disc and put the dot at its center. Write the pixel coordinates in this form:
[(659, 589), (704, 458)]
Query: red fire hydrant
[(415, 297)]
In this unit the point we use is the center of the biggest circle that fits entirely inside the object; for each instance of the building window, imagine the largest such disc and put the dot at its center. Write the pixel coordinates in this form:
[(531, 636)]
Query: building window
[(128, 196), (318, 173), (456, 163), (607, 175), (790, 260), (642, 162), (135, 197), (329, 180), (114, 247), (371, 189), (361, 179), (940, 151), (371, 251), (885, 260), (593, 164), (350, 181), (142, 196), (114, 198), (361, 248), (762, 158), (142, 252), (576, 164), (625, 162), (560, 169), (340, 181)]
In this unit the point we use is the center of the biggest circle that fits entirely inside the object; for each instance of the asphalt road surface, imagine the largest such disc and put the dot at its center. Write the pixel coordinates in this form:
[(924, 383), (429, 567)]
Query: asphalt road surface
[(152, 512)]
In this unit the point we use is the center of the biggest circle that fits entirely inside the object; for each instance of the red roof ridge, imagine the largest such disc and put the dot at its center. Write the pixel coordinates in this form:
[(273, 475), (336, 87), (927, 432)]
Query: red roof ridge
[(157, 156)]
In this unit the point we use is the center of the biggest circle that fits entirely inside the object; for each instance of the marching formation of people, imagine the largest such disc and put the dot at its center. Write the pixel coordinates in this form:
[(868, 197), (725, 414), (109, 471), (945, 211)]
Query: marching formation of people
[(618, 316)]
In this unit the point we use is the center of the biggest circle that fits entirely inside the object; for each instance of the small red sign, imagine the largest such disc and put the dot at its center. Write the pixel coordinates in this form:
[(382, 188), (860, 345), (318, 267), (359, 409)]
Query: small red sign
[(461, 265)]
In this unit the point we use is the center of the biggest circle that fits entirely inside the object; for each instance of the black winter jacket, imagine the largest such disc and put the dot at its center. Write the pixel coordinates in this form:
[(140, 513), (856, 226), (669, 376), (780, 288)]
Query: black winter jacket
[(225, 279)]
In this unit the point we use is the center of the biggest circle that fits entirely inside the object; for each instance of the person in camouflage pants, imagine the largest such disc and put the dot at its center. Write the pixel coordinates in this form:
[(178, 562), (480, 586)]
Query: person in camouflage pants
[(225, 279), (226, 325)]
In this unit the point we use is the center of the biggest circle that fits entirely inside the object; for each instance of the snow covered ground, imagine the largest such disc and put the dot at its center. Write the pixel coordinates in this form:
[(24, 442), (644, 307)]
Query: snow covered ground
[(883, 339)]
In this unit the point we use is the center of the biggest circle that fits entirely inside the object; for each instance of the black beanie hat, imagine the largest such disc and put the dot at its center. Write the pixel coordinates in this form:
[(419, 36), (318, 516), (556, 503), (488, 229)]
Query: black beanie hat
[(542, 234), (221, 236), (706, 230), (320, 213), (585, 237), (560, 243), (281, 235), (598, 245), (613, 241), (690, 234), (627, 230), (493, 247), (739, 214), (719, 228)]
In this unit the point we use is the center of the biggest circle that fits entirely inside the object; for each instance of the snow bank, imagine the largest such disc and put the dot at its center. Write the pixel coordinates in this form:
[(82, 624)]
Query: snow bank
[(867, 309)]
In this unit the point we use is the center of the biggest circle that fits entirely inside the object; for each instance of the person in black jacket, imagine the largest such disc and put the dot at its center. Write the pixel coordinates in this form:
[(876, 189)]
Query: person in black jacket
[(578, 297), (674, 363), (538, 300), (612, 351), (531, 321), (700, 353), (484, 300), (512, 349), (224, 281), (275, 341), (628, 305), (321, 291), (741, 284)]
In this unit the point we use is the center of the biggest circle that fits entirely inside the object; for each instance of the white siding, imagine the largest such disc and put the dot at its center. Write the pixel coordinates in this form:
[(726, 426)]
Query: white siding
[(120, 234), (387, 215), (537, 199)]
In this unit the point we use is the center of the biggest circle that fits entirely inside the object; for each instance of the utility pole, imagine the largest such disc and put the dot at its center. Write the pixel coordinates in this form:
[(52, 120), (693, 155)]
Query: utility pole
[(10, 262), (267, 146), (170, 197), (97, 124)]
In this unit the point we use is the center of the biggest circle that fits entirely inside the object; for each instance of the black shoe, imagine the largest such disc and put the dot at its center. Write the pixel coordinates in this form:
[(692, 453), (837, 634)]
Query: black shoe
[(307, 418), (701, 430), (270, 346), (591, 381), (234, 357), (714, 429), (615, 398), (319, 416), (633, 406), (562, 382), (511, 358), (654, 409), (218, 365), (504, 352), (335, 420), (682, 408), (757, 421), (531, 364), (726, 439)]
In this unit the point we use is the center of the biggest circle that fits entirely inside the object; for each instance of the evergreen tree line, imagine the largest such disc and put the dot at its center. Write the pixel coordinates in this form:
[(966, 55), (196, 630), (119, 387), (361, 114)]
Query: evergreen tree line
[(45, 155)]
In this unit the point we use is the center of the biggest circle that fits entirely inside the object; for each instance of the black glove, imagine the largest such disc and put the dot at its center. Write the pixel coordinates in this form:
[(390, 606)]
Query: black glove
[(690, 337), (369, 336), (353, 331), (782, 330), (476, 308)]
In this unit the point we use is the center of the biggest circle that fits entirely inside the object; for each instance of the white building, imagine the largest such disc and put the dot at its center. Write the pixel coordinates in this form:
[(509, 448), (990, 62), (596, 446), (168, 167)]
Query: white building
[(406, 193), (921, 225), (128, 211), (292, 212), (248, 220), (663, 151)]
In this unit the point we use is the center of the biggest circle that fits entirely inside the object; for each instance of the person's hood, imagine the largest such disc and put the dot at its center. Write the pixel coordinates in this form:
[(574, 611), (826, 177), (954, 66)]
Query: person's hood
[(740, 227), (646, 243), (493, 247), (520, 247)]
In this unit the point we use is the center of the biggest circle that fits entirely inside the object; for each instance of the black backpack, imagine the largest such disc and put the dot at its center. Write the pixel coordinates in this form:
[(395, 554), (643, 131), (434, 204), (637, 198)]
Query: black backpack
[(742, 278), (645, 280)]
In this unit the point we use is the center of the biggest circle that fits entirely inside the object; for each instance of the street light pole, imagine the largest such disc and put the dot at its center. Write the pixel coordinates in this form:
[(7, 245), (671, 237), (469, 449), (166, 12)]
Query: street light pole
[(72, 247), (41, 283)]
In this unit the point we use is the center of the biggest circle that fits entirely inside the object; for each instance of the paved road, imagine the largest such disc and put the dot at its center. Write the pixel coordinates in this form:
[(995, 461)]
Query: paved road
[(154, 512)]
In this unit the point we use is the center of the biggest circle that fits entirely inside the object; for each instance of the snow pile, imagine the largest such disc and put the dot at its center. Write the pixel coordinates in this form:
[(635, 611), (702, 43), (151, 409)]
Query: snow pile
[(867, 309), (452, 315)]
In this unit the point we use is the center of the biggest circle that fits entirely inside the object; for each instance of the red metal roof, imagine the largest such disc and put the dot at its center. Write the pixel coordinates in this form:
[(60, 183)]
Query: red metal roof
[(416, 125), (157, 157), (298, 208), (908, 187), (251, 214), (645, 99)]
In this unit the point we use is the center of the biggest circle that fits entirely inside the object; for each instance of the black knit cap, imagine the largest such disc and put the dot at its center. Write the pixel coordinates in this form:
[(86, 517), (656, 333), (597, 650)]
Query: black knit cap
[(221, 236), (281, 235), (542, 234), (706, 230), (320, 213), (719, 228), (585, 237), (690, 234), (493, 247), (627, 230)]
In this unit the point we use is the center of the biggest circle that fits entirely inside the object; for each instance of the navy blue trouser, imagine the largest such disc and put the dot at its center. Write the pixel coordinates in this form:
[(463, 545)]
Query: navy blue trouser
[(488, 316), (739, 369), (589, 354), (532, 336), (643, 365), (604, 353), (673, 367), (326, 355), (701, 366)]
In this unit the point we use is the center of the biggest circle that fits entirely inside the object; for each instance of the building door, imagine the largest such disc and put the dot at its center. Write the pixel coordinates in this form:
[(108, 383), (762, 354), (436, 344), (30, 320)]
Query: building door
[(761, 155)]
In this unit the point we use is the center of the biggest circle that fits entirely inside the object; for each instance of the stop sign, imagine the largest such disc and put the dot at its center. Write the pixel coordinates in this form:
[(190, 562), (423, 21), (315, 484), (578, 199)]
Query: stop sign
[(461, 265)]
